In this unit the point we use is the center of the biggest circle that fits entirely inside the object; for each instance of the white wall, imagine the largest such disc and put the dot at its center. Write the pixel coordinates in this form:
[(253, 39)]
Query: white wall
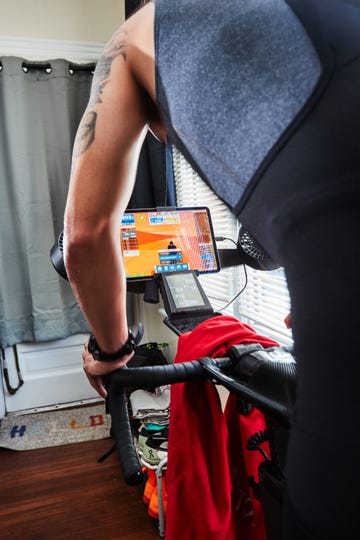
[(44, 29), (74, 20)]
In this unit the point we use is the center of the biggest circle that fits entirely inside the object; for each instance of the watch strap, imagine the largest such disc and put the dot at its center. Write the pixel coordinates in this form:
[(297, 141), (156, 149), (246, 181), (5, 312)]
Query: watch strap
[(128, 347)]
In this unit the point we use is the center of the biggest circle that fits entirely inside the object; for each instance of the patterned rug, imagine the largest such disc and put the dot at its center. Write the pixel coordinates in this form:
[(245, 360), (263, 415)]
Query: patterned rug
[(54, 428)]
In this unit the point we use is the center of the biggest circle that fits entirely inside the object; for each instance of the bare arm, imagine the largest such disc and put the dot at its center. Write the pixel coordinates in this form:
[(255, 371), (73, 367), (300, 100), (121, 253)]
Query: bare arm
[(105, 157)]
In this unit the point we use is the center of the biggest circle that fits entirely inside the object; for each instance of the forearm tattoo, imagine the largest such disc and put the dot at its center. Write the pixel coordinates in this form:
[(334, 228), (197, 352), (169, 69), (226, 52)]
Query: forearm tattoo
[(86, 132)]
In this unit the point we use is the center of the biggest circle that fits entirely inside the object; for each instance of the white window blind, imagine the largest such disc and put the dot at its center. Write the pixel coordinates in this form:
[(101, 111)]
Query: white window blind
[(265, 304), (265, 301)]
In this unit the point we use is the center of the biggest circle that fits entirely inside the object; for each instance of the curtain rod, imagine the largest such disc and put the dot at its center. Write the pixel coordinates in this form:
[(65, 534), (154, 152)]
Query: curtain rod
[(82, 67), (46, 66), (36, 65)]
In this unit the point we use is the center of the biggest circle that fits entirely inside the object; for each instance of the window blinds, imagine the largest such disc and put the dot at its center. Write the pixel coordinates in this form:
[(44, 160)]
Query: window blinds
[(265, 301)]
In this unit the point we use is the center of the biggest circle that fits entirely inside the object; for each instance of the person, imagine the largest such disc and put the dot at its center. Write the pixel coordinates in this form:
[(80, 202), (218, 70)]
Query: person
[(263, 99)]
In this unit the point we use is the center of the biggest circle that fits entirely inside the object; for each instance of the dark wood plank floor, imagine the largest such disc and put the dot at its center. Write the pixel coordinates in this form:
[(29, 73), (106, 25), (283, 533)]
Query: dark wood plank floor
[(64, 493)]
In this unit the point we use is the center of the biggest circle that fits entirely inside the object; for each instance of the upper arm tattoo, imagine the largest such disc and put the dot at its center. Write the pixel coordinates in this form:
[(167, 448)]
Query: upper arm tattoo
[(86, 132)]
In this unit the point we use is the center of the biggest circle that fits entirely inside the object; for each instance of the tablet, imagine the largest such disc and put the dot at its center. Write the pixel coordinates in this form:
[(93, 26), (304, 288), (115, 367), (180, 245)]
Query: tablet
[(154, 241)]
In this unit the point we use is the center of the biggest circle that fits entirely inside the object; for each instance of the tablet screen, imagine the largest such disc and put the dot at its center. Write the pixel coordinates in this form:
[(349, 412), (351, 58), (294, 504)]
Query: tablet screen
[(168, 240)]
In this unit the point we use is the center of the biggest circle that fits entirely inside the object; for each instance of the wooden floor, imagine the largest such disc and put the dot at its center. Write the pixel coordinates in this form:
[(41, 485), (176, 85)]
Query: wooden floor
[(64, 493)]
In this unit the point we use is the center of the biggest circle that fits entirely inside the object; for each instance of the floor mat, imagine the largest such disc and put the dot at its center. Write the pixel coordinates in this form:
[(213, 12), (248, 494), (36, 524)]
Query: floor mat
[(54, 428)]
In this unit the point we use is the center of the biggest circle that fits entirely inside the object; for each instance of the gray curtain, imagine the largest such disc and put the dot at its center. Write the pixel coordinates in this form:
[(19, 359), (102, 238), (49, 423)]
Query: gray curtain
[(40, 109)]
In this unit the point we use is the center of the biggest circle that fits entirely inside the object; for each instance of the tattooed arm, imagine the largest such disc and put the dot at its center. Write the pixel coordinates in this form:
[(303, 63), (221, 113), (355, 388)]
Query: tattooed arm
[(105, 156)]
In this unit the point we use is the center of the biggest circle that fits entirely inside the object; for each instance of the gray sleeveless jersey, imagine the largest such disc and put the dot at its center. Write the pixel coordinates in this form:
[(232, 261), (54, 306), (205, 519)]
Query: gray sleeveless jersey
[(231, 76)]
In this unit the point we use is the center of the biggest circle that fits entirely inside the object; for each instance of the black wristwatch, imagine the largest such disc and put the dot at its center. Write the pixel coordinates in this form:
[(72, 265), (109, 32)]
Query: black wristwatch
[(98, 354)]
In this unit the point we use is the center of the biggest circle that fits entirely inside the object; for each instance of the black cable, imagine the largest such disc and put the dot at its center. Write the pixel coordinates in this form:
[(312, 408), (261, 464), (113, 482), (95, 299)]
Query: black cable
[(240, 292), (107, 454), (222, 238), (12, 390)]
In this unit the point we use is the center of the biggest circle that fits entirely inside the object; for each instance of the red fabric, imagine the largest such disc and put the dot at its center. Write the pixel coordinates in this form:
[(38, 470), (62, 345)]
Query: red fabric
[(247, 514), (208, 465)]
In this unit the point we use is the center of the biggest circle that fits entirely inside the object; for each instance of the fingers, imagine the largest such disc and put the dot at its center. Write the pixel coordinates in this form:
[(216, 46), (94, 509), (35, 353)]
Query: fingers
[(95, 370), (95, 380), (97, 384)]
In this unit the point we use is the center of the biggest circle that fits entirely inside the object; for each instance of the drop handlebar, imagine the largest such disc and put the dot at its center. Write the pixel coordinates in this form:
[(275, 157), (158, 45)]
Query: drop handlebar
[(266, 378)]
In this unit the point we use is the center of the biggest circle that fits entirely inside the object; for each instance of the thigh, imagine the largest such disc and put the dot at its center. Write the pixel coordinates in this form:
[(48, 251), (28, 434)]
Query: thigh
[(321, 255)]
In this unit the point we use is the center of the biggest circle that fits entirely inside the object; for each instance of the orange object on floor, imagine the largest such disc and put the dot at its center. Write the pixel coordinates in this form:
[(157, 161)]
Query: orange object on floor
[(151, 496), (153, 509), (150, 485)]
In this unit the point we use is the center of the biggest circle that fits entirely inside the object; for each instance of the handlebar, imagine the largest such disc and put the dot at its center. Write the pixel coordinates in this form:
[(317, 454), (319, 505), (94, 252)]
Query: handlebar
[(264, 377)]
